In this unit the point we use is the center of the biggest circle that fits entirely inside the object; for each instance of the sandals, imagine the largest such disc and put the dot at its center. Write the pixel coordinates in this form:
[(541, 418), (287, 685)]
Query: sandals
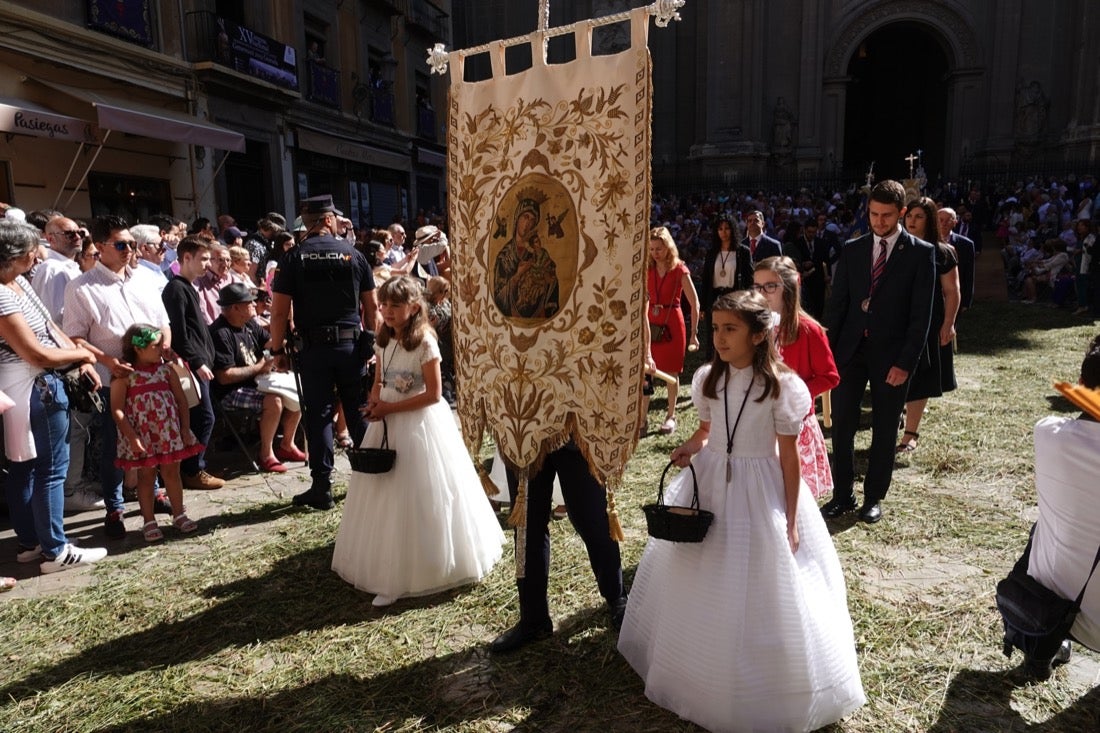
[(668, 427), (151, 531), (6, 584), (343, 440), (184, 523), (560, 512), (907, 446), (271, 464)]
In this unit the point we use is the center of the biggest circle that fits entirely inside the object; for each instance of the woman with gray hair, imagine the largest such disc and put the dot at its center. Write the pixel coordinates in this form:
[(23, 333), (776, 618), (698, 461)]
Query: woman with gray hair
[(36, 429)]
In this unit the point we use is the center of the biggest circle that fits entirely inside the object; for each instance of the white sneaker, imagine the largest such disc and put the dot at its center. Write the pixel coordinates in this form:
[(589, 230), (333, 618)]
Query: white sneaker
[(82, 500), (31, 555), (72, 556), (382, 601)]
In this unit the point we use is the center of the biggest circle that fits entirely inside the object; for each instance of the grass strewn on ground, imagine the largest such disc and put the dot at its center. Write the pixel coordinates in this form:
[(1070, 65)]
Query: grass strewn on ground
[(261, 635)]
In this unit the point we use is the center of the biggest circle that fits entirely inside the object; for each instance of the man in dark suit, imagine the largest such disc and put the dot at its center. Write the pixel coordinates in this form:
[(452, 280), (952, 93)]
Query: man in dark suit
[(815, 253), (946, 219), (879, 313), (760, 245), (968, 225)]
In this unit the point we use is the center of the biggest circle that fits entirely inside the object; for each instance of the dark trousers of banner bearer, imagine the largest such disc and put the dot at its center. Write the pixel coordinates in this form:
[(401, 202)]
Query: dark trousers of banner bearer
[(587, 504)]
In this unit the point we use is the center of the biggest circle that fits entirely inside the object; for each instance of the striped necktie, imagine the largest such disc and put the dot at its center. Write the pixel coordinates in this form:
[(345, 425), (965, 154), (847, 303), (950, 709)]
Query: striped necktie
[(879, 265)]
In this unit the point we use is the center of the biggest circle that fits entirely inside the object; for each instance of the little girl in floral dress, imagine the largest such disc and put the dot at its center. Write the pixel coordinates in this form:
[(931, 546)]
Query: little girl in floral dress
[(154, 425)]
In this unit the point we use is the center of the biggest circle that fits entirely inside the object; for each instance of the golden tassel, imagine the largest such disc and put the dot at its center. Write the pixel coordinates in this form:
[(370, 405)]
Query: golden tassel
[(518, 516), (487, 484), (615, 528)]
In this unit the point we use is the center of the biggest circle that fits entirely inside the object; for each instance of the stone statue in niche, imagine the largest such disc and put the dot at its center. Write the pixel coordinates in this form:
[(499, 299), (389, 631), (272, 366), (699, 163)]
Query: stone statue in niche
[(783, 124), (1032, 107)]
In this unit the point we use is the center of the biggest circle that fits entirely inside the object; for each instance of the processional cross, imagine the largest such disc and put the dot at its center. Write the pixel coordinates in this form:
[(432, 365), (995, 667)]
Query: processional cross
[(911, 160)]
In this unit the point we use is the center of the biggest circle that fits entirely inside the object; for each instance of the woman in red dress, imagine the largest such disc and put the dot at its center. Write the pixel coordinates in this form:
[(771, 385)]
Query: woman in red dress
[(805, 349), (668, 278)]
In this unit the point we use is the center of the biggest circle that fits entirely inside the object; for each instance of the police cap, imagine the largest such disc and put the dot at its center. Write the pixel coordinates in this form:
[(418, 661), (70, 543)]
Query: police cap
[(320, 205)]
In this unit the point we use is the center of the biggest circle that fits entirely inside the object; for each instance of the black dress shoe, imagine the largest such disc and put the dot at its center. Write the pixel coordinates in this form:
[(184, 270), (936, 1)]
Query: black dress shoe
[(520, 636), (836, 507), (321, 500), (618, 612), (870, 513)]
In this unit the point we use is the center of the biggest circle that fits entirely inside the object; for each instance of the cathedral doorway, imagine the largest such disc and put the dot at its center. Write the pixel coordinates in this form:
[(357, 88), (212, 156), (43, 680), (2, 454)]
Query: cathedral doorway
[(896, 101)]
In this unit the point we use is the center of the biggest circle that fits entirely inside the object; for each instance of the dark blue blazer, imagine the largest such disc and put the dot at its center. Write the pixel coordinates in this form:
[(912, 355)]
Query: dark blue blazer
[(765, 247), (964, 248), (896, 323)]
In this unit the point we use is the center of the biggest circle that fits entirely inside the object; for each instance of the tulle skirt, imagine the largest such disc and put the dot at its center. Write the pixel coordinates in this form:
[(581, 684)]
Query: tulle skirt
[(736, 633), (424, 526)]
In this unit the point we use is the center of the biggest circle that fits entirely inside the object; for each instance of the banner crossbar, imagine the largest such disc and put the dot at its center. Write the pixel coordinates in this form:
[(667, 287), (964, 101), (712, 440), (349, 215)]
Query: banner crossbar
[(664, 10)]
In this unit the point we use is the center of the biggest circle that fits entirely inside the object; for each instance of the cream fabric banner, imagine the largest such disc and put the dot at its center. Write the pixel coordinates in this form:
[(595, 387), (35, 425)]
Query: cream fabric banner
[(549, 195)]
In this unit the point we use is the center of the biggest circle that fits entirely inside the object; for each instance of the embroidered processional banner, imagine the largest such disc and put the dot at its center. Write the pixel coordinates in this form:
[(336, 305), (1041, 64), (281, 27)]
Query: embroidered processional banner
[(549, 194)]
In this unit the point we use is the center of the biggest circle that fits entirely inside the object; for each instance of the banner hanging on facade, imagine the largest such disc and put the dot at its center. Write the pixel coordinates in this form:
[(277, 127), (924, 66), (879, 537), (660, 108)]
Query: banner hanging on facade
[(548, 173)]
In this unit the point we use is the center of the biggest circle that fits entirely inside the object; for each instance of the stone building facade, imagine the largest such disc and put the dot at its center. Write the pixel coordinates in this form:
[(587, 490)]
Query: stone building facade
[(756, 88), (200, 107)]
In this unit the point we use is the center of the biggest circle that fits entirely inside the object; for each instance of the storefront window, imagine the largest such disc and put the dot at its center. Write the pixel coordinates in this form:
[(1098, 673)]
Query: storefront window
[(5, 183), (134, 199)]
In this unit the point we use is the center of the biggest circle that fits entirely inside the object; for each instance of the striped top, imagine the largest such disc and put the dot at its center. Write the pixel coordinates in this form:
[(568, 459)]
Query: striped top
[(34, 312)]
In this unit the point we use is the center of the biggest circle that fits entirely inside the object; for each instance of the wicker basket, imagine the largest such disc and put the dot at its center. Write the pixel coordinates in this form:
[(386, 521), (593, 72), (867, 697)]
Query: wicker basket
[(677, 523), (373, 460)]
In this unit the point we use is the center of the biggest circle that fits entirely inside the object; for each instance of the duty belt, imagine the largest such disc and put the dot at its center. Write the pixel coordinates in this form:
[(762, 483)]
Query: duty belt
[(330, 334)]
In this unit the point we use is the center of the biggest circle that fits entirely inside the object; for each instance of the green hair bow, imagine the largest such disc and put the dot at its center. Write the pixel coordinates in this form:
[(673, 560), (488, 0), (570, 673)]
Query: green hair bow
[(145, 337)]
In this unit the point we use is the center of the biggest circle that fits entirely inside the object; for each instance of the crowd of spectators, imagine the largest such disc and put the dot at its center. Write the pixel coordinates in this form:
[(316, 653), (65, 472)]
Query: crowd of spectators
[(1022, 217)]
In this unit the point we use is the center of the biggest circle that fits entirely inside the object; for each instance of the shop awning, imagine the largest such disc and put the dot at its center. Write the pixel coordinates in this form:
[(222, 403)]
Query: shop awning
[(27, 118), (122, 115), (338, 147)]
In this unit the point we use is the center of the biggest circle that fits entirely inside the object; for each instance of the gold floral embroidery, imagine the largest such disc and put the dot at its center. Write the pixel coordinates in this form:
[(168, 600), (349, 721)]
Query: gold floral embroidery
[(549, 209)]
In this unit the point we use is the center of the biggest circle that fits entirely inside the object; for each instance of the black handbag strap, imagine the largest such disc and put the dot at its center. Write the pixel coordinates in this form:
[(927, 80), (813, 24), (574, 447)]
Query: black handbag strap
[(1022, 563), (1081, 595), (694, 486), (385, 435)]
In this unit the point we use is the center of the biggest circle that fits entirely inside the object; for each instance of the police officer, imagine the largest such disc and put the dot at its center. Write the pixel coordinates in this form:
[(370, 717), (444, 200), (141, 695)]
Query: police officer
[(335, 316)]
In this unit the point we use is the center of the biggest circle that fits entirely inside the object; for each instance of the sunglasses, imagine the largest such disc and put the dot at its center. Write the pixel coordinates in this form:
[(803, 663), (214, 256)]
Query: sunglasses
[(767, 287), (70, 233), (122, 245)]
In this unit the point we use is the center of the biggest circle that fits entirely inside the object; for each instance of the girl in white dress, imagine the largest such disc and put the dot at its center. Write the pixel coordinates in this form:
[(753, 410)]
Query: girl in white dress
[(426, 525), (749, 629)]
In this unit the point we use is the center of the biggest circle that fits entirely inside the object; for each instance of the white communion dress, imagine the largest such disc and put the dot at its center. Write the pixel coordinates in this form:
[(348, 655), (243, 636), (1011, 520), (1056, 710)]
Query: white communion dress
[(736, 633), (426, 525)]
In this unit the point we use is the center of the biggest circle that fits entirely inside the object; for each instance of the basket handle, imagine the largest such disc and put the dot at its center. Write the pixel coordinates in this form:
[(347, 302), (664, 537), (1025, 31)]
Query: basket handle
[(694, 485), (385, 435)]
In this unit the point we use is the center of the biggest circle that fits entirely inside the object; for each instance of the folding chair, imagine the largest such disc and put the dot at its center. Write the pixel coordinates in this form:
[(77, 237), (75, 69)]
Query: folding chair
[(229, 418)]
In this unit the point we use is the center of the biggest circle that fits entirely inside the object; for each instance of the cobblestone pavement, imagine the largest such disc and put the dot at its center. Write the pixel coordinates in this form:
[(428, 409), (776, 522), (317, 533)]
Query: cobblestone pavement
[(243, 488)]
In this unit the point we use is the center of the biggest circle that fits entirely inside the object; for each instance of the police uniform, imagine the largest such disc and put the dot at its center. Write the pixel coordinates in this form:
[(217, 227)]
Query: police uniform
[(325, 278)]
